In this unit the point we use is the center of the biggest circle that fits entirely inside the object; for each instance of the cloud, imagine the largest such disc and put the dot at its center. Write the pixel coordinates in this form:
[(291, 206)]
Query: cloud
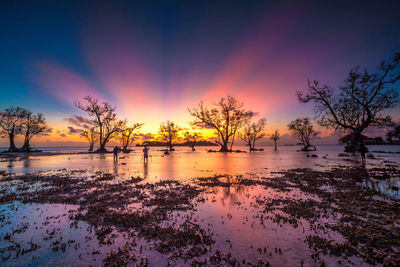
[(144, 137), (72, 130), (47, 132), (62, 135), (79, 121), (199, 125)]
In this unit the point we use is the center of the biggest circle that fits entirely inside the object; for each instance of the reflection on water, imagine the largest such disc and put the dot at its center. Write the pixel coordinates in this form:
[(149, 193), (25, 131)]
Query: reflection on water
[(145, 169), (231, 210), (390, 186), (184, 163)]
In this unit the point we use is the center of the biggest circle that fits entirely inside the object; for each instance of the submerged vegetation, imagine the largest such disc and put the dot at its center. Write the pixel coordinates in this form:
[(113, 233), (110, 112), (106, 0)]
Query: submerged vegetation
[(341, 221)]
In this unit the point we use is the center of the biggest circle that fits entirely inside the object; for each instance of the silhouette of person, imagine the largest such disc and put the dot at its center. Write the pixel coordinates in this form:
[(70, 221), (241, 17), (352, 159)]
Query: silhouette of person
[(116, 150), (146, 154), (362, 149)]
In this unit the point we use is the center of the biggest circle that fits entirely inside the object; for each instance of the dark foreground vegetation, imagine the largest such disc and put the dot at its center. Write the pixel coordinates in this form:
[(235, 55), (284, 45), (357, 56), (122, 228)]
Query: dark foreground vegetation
[(342, 222)]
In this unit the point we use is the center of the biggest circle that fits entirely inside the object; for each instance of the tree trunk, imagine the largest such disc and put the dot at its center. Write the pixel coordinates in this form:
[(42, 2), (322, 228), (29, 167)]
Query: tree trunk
[(102, 148), (12, 147), (224, 148), (91, 148), (26, 147), (355, 140), (275, 145), (125, 148), (309, 147)]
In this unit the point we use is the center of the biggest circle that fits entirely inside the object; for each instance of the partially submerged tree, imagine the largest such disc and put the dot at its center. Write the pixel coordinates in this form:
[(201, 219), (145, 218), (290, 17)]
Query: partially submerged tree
[(125, 134), (359, 103), (104, 117), (11, 124), (394, 134), (191, 139), (33, 125), (226, 117), (168, 132), (302, 128), (252, 132), (91, 136), (275, 137)]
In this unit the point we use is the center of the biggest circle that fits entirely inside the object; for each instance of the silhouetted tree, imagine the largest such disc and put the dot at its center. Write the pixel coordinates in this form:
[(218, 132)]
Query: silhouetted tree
[(252, 132), (169, 133), (11, 124), (191, 139), (226, 117), (359, 103), (91, 136), (275, 137), (104, 117), (302, 128), (32, 125), (394, 134), (125, 134)]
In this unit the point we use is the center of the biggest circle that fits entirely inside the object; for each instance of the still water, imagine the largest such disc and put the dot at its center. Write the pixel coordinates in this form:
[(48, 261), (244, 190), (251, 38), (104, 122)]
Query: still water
[(184, 163)]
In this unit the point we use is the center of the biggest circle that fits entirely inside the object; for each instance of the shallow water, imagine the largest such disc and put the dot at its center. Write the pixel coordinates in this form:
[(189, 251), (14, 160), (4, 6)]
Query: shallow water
[(184, 164), (231, 212)]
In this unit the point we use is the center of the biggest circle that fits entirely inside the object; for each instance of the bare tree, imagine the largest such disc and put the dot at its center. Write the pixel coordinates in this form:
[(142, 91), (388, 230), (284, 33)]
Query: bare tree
[(104, 117), (252, 132), (359, 103), (226, 117), (125, 134), (11, 124), (33, 125), (191, 139), (302, 128), (394, 134), (86, 129), (275, 137), (169, 133), (91, 136)]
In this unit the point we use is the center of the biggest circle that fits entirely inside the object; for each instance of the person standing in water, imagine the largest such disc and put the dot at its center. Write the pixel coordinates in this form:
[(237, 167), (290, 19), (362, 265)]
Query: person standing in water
[(146, 154), (115, 150)]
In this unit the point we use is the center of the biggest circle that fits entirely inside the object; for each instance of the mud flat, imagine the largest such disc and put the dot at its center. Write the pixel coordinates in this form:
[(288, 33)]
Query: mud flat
[(296, 217)]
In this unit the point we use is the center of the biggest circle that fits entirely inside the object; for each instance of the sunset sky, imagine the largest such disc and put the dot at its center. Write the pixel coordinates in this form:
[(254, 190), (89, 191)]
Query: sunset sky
[(153, 60)]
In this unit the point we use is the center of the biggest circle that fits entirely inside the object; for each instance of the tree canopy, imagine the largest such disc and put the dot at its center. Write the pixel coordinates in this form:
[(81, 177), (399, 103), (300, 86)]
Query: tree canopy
[(168, 132), (302, 128), (226, 117), (104, 117), (360, 102), (251, 132)]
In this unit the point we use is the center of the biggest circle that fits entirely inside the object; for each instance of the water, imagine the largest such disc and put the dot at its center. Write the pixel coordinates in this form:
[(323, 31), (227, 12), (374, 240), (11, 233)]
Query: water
[(184, 163), (230, 212)]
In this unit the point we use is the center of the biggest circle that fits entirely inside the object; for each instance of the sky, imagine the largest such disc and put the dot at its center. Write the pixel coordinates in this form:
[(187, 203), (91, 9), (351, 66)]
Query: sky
[(155, 59)]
